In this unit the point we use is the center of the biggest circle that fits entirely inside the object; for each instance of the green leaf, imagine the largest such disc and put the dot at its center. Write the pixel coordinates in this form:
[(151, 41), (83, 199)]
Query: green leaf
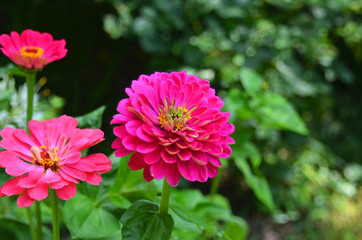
[(236, 228), (142, 221), (248, 150), (12, 70), (92, 119), (275, 111), (251, 81), (258, 184), (131, 184), (190, 217), (120, 201), (12, 229), (84, 220)]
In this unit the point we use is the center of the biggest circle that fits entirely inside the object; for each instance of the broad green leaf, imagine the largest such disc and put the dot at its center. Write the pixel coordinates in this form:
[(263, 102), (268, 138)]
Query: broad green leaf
[(247, 150), (13, 229), (190, 217), (120, 201), (142, 221), (258, 184), (237, 228), (251, 81), (92, 119), (275, 111), (131, 184), (85, 220), (237, 104)]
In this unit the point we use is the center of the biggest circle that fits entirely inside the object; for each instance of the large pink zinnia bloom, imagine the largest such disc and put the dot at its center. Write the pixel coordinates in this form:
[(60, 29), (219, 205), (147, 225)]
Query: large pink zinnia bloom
[(173, 123), (50, 157), (32, 49)]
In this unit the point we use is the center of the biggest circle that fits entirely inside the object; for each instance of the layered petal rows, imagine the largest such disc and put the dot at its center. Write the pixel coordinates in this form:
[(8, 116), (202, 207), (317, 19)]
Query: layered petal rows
[(49, 157), (173, 123), (32, 49)]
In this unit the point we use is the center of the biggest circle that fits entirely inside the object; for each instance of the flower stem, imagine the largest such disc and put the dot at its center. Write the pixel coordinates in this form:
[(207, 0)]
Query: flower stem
[(38, 221), (165, 197), (215, 184), (55, 213), (30, 81), (31, 224)]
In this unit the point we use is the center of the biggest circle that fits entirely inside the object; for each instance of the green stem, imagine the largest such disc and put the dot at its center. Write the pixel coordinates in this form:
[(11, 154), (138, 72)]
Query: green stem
[(55, 213), (38, 221), (30, 81), (31, 224), (165, 197), (215, 184)]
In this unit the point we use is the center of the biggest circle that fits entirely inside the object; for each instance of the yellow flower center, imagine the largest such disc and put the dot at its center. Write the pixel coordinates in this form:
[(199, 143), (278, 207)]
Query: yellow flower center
[(31, 51), (173, 117), (46, 157)]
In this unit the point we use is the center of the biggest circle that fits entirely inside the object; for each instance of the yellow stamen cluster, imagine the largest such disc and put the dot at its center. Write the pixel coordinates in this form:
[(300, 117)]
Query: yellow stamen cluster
[(173, 117), (46, 157), (31, 51)]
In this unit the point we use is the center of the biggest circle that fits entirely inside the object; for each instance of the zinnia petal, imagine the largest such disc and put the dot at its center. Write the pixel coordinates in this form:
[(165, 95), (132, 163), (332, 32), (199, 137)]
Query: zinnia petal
[(52, 157), (174, 123), (32, 49)]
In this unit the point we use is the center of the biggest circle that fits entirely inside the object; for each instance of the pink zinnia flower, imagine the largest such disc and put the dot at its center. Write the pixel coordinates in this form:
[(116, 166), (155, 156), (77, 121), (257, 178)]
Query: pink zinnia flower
[(50, 157), (32, 49), (173, 122)]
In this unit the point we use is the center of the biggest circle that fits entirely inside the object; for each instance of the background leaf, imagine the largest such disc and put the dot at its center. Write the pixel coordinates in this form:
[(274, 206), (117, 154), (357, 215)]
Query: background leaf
[(85, 220), (143, 221)]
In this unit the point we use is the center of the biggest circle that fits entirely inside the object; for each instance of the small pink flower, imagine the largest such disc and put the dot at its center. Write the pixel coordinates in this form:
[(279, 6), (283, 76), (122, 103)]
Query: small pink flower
[(174, 123), (50, 157), (32, 49)]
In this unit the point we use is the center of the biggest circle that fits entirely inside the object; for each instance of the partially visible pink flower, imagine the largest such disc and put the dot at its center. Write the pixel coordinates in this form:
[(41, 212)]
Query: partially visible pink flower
[(173, 123), (50, 157), (32, 49)]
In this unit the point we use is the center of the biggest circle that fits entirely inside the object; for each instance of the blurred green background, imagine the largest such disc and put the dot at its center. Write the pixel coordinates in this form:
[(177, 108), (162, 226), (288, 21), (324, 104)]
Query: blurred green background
[(289, 71)]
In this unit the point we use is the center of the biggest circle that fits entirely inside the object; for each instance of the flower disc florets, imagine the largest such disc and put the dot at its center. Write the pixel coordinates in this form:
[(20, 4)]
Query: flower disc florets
[(173, 123)]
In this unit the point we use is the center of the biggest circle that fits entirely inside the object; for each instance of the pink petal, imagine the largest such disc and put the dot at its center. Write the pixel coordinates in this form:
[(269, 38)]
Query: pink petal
[(24, 200), (13, 165), (101, 162), (130, 142), (142, 134), (146, 147), (146, 173), (11, 187), (169, 158), (75, 173), (172, 174), (211, 171), (192, 171), (132, 127), (136, 162), (199, 157), (50, 176), (184, 154), (38, 192), (11, 143), (72, 158), (152, 157), (158, 169), (67, 191), (93, 178), (59, 184), (121, 150), (213, 160)]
